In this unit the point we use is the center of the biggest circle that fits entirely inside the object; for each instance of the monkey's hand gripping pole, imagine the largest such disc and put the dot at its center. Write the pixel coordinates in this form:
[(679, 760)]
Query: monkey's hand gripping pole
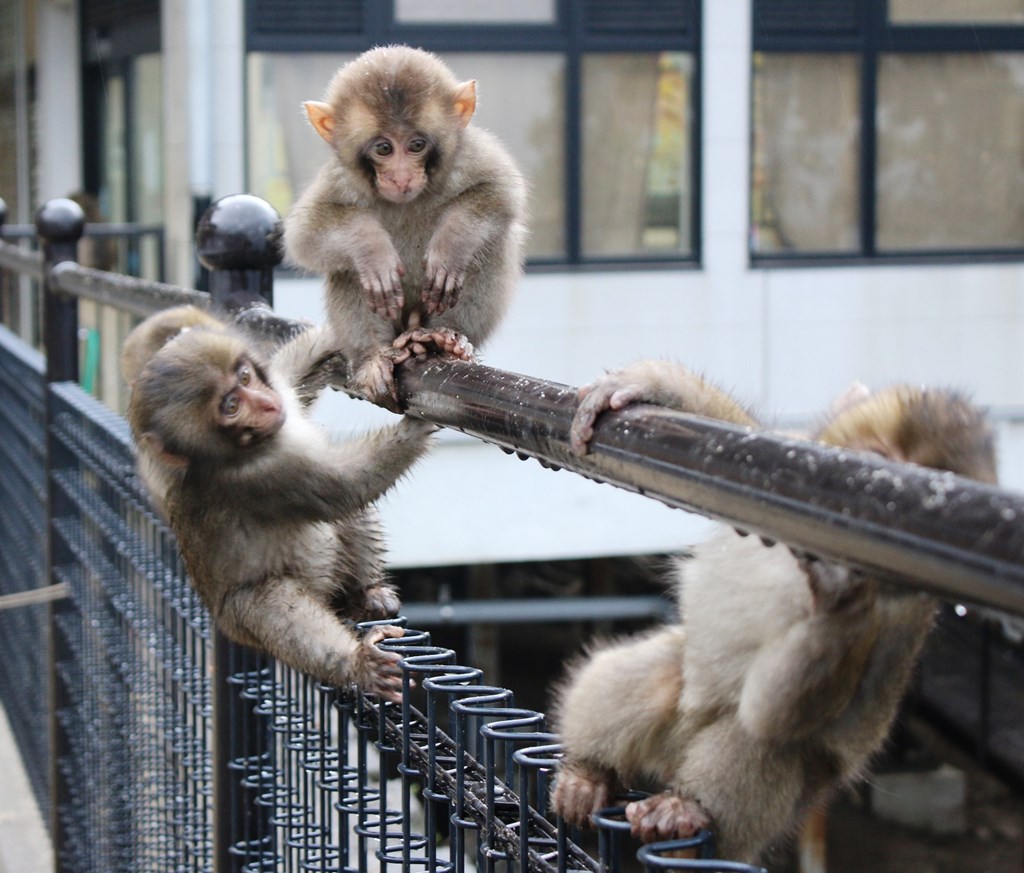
[(918, 527)]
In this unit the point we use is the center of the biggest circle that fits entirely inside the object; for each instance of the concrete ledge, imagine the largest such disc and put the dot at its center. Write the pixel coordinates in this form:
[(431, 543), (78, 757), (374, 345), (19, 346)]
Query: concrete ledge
[(24, 842)]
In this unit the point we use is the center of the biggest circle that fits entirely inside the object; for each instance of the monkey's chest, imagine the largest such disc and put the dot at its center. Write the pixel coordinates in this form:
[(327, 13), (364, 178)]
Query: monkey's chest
[(240, 553), (411, 233)]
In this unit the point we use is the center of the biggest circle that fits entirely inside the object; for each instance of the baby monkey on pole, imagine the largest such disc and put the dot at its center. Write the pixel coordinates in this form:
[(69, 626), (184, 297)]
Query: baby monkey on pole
[(783, 674), (416, 219)]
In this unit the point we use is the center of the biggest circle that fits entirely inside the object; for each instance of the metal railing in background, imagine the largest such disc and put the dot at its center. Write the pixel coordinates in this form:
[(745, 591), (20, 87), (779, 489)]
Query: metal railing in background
[(132, 250), (171, 749), (122, 247)]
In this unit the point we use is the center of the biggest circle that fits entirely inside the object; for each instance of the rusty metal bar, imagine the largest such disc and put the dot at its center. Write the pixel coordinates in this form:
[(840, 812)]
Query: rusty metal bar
[(105, 228), (930, 529), (138, 296), (21, 260)]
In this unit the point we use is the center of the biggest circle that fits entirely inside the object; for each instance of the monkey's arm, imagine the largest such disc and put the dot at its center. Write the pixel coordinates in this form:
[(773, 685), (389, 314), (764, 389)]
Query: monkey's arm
[(468, 224), (327, 237), (317, 481), (282, 617), (663, 383), (798, 684)]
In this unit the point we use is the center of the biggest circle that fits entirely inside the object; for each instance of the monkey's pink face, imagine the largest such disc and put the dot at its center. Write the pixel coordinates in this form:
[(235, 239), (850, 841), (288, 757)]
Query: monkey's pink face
[(249, 410), (399, 165)]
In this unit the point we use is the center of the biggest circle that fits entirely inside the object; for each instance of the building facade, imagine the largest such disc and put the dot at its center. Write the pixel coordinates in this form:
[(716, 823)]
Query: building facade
[(786, 195)]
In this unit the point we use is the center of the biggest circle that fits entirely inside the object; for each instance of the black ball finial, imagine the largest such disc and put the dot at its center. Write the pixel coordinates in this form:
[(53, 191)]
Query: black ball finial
[(60, 221), (3, 211), (239, 232)]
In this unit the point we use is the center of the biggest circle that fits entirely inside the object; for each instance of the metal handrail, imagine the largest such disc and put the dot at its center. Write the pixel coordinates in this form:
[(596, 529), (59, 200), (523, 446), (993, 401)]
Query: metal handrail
[(931, 529)]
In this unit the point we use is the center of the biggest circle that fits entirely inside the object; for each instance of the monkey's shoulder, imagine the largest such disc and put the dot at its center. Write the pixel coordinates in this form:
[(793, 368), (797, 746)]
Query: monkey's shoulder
[(483, 160)]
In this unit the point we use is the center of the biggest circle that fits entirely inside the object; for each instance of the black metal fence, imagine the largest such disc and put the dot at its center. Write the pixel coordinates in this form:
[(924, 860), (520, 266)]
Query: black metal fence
[(160, 746)]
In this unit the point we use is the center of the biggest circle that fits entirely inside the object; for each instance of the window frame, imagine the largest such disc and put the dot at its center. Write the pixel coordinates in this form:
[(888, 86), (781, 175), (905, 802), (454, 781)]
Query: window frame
[(569, 36), (869, 39)]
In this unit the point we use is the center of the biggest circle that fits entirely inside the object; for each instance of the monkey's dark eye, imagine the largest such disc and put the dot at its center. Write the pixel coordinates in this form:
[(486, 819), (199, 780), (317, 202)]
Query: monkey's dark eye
[(244, 375), (230, 405), (417, 146), (383, 148)]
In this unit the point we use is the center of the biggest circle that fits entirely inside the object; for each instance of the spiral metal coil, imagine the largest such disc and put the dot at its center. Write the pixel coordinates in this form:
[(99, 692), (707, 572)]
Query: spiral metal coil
[(455, 777)]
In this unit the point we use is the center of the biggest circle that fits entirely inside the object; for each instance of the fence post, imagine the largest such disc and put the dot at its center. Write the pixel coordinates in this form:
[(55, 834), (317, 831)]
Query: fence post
[(239, 241), (59, 224)]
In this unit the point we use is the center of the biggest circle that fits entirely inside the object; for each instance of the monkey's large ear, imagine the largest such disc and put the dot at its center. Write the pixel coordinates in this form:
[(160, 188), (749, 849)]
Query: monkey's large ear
[(321, 117), (465, 101), (177, 463)]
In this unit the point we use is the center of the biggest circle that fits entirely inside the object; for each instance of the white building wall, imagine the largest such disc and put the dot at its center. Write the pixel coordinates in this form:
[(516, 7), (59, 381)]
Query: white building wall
[(58, 100)]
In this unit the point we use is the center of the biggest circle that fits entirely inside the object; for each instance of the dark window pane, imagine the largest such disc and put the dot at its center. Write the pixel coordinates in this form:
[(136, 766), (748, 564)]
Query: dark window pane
[(956, 11), (823, 17), (804, 191), (637, 148), (950, 151)]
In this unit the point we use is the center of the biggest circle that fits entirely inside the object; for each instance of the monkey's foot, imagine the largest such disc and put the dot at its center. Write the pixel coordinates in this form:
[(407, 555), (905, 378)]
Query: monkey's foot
[(580, 791), (376, 671), (332, 369), (666, 816), (379, 601), (608, 392), (421, 341), (375, 380)]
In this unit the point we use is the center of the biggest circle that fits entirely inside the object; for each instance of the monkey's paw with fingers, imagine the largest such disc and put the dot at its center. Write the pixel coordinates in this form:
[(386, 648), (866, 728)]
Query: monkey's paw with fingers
[(377, 602), (666, 816), (381, 280), (608, 392), (376, 671), (579, 792), (442, 285)]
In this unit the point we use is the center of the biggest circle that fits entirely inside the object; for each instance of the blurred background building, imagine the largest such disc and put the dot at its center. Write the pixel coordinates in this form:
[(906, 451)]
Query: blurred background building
[(788, 195)]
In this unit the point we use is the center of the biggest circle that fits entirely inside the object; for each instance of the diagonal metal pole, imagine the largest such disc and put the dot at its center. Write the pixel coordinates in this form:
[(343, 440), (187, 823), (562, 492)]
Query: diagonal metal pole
[(926, 528)]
